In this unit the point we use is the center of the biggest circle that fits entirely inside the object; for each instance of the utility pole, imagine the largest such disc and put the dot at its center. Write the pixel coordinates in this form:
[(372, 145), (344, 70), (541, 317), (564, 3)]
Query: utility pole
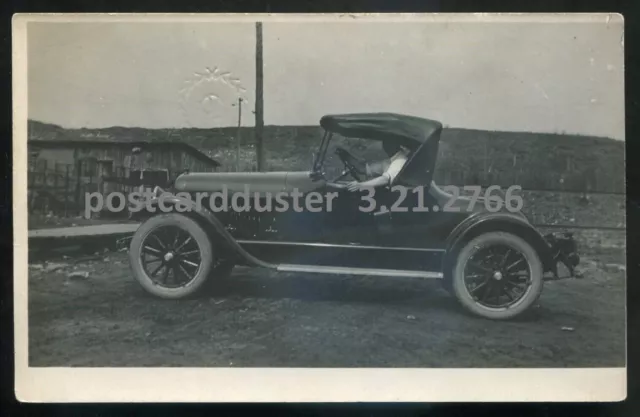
[(259, 99), (238, 134)]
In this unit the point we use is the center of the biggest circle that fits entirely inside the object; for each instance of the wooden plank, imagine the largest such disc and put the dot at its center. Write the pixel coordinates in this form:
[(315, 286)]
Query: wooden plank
[(44, 173), (78, 185), (55, 179), (31, 185), (66, 191)]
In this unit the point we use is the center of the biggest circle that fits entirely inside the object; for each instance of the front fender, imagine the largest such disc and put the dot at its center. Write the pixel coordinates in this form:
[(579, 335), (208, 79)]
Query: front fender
[(208, 220), (483, 222)]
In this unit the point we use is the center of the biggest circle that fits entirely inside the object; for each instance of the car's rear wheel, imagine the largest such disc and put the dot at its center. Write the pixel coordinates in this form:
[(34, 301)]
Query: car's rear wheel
[(171, 256), (497, 275)]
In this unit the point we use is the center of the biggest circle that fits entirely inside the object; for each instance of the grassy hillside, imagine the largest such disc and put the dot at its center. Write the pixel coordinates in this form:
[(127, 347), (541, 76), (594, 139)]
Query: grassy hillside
[(532, 160)]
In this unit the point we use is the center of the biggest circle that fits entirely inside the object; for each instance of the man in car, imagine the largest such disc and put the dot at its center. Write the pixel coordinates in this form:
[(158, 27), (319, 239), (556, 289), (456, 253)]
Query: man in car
[(398, 156)]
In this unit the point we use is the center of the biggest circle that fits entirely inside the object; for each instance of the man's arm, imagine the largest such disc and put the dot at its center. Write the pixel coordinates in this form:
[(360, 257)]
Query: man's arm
[(385, 179)]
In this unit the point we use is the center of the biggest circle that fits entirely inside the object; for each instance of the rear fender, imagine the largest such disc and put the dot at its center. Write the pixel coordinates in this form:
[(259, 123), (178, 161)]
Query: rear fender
[(483, 222), (214, 227)]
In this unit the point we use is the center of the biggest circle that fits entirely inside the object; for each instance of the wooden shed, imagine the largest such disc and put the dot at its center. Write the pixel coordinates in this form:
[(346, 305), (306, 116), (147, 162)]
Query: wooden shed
[(175, 157), (61, 172)]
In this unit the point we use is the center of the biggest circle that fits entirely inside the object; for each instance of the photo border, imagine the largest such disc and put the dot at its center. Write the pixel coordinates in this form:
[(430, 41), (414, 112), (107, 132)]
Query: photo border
[(35, 384)]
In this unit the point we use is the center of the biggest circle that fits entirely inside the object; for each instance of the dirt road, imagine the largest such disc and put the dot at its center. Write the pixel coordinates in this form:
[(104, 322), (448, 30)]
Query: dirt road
[(266, 319)]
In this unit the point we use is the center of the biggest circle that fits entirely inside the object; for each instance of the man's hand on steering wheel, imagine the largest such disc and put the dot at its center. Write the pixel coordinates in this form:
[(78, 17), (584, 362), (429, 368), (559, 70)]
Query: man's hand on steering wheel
[(354, 186)]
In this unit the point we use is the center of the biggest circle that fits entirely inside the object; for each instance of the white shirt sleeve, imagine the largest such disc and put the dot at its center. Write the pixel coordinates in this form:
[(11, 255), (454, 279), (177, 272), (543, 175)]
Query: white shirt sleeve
[(397, 162)]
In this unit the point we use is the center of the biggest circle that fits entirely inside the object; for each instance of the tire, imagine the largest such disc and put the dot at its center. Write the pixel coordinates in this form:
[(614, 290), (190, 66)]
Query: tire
[(472, 269), (148, 243)]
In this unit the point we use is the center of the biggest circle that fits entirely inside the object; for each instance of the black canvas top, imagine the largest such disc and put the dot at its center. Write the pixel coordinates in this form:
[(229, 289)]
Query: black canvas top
[(410, 130)]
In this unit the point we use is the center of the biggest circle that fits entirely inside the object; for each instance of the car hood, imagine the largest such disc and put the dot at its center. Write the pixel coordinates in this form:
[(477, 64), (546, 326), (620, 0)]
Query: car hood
[(261, 182)]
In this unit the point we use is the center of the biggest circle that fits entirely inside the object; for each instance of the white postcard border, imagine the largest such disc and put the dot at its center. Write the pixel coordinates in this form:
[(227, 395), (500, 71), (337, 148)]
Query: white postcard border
[(268, 384)]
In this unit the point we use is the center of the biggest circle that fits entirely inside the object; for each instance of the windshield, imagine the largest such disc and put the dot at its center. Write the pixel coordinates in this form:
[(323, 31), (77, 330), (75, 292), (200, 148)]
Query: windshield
[(370, 153), (320, 155)]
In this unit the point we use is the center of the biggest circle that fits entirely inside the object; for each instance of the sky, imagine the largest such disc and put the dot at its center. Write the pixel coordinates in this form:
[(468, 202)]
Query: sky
[(559, 76)]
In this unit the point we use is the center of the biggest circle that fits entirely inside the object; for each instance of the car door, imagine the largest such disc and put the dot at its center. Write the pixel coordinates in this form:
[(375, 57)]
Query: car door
[(415, 227), (349, 220)]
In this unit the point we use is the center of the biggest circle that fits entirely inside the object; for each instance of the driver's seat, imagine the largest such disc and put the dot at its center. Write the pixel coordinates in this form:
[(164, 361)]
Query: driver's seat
[(419, 168)]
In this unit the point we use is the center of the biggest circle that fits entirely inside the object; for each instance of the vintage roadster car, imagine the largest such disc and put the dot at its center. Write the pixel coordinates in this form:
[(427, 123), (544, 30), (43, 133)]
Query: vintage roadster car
[(494, 263)]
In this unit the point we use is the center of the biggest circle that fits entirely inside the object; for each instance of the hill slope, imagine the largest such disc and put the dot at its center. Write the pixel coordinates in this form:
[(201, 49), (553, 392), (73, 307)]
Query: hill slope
[(532, 160)]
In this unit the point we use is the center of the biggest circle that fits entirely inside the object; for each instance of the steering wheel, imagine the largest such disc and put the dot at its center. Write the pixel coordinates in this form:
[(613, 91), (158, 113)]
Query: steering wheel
[(346, 158)]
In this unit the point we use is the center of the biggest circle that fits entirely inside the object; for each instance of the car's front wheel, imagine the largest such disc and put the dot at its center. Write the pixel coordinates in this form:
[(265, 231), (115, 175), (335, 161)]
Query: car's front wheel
[(171, 256), (497, 275)]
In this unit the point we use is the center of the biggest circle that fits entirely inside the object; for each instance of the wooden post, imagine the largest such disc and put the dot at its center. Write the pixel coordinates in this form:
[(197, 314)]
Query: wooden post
[(125, 173), (45, 182), (45, 185), (78, 185), (31, 186), (90, 183), (54, 189), (31, 179), (105, 169), (259, 98), (66, 191), (105, 166), (238, 134)]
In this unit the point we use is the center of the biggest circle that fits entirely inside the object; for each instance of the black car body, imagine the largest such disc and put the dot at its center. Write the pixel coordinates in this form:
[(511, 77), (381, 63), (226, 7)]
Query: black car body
[(448, 238)]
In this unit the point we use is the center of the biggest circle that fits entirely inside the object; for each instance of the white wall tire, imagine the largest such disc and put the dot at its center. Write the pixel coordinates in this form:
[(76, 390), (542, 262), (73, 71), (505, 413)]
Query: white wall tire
[(497, 275), (171, 256)]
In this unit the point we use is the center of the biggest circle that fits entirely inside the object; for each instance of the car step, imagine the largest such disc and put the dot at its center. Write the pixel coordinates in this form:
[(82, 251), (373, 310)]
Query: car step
[(319, 269)]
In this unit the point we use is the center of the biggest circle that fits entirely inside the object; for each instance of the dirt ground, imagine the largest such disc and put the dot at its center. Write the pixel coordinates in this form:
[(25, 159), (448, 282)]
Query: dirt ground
[(266, 319)]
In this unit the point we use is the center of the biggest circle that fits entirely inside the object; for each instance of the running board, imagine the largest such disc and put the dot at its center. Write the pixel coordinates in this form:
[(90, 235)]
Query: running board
[(318, 269)]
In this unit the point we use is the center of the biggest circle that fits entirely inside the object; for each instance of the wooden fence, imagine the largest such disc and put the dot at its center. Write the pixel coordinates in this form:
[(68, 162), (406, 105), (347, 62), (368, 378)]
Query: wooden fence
[(57, 188), (61, 189)]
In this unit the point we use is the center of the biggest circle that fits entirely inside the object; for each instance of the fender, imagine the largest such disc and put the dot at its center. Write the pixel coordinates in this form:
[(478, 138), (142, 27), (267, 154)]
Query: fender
[(507, 222), (212, 224)]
